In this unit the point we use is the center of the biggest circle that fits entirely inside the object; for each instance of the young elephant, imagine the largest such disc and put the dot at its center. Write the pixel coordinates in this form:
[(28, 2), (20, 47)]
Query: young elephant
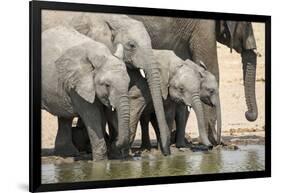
[(121, 32), (184, 84), (80, 77)]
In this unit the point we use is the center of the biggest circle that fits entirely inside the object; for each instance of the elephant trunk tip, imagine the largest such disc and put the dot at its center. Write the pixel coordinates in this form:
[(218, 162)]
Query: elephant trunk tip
[(251, 116), (121, 143)]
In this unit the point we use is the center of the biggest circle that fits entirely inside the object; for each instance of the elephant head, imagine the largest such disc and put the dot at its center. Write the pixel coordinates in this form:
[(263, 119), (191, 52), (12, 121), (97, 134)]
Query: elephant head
[(93, 72), (191, 84), (129, 37), (240, 37)]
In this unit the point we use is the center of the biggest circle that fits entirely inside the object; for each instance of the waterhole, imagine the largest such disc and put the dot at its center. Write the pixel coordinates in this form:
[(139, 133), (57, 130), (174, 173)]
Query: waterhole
[(153, 164)]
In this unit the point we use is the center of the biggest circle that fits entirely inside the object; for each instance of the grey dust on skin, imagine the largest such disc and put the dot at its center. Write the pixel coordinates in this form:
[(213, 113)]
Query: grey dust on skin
[(246, 158)]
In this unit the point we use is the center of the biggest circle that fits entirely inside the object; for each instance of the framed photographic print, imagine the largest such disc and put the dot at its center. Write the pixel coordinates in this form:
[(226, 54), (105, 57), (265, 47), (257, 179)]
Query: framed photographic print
[(125, 96)]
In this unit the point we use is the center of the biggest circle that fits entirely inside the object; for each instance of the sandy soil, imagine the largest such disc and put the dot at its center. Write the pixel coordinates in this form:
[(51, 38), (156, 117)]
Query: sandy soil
[(233, 103)]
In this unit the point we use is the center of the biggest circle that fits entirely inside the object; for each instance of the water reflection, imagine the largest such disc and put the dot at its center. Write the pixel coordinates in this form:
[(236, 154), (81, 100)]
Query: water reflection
[(248, 158)]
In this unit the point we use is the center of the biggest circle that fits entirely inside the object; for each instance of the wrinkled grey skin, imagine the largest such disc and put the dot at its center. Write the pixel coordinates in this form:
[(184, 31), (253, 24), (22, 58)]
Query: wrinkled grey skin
[(80, 77), (119, 32), (184, 83), (195, 39)]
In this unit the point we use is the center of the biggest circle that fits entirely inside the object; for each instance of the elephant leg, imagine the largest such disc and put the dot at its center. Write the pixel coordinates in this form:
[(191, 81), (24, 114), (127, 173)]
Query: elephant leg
[(91, 114), (154, 123), (170, 110), (182, 114), (63, 143), (112, 123), (137, 106), (80, 137), (145, 140)]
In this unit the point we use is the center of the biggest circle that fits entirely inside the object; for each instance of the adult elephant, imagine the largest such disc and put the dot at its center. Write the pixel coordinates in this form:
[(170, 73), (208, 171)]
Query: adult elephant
[(195, 39), (79, 77), (120, 32)]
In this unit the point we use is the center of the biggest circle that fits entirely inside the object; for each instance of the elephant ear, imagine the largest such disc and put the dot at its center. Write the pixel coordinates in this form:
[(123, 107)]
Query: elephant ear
[(225, 31), (76, 74), (81, 23), (249, 41), (164, 76), (113, 30), (231, 26), (202, 69)]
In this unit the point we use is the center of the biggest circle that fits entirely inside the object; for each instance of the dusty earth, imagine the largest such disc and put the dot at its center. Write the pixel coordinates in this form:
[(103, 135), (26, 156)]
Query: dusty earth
[(235, 127)]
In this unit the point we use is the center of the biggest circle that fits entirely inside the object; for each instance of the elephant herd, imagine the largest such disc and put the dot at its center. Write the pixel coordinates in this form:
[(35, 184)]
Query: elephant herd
[(114, 71)]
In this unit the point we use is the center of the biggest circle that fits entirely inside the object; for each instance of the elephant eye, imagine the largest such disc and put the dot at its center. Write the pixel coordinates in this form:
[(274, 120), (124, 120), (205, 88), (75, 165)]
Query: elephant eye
[(107, 85), (131, 45), (211, 90), (181, 89)]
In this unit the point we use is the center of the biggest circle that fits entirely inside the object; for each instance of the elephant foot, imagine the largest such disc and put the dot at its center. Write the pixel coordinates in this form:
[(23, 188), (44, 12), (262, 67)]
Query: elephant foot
[(146, 146), (99, 157), (183, 144), (205, 141), (118, 154), (83, 157), (173, 137), (200, 147), (68, 150)]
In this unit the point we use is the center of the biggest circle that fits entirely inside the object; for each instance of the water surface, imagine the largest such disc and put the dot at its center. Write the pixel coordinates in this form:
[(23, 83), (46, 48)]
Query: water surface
[(247, 158)]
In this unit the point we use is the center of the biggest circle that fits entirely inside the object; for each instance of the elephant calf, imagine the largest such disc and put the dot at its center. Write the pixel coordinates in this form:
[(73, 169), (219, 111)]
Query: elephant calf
[(79, 78), (184, 84)]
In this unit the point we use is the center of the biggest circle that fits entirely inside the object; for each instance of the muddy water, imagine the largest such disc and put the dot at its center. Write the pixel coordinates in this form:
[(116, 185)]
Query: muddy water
[(247, 158)]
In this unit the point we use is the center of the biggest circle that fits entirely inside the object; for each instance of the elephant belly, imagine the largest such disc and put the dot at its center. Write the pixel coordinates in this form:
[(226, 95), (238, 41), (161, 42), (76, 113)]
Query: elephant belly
[(56, 104)]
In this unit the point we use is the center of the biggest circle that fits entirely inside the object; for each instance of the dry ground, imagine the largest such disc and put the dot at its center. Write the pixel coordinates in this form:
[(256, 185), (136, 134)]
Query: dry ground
[(231, 94)]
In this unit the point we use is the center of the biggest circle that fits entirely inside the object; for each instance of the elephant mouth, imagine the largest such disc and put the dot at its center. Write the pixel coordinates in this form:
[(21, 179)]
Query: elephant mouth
[(177, 100), (105, 101), (207, 101), (129, 64)]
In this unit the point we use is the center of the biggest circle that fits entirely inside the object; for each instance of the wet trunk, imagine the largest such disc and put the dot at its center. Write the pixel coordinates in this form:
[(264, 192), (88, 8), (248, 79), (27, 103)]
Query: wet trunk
[(218, 113), (123, 114), (153, 79), (249, 60), (198, 109)]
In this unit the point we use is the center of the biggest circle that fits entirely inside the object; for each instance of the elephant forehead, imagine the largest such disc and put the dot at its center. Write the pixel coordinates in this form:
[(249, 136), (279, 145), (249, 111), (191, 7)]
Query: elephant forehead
[(116, 66), (190, 80), (187, 74), (211, 80)]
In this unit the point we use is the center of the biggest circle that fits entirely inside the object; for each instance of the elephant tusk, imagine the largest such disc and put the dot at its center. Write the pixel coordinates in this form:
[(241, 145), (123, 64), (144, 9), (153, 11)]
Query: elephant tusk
[(142, 73), (188, 108), (112, 109), (255, 51), (119, 53)]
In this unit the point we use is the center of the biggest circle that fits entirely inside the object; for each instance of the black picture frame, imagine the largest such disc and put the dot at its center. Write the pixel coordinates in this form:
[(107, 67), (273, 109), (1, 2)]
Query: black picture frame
[(35, 8)]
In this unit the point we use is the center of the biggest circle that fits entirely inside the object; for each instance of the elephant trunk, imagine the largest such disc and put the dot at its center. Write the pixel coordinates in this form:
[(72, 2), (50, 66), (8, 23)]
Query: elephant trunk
[(123, 115), (198, 109), (249, 60), (153, 79), (218, 113)]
